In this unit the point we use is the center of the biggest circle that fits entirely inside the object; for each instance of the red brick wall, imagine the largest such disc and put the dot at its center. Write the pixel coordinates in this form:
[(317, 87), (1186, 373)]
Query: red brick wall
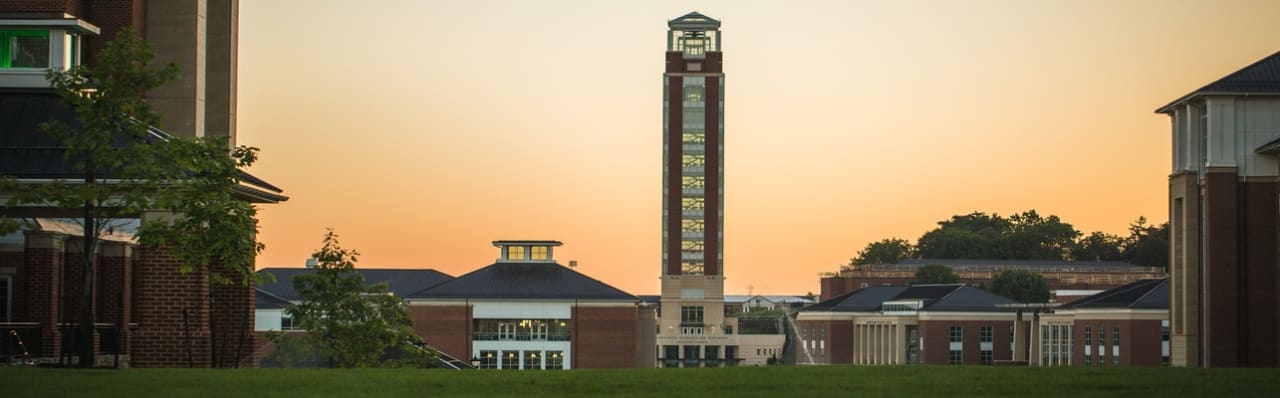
[(1259, 221), (1139, 342), (1221, 268), (604, 337), (447, 328), (112, 16), (840, 342), (47, 7), (114, 288), (233, 309), (41, 278), (161, 295), (937, 341), (711, 198), (675, 151)]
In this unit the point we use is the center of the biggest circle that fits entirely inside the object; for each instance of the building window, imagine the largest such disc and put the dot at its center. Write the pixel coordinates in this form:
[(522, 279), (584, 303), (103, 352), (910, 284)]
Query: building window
[(1115, 346), (488, 359), (691, 225), (692, 204), (510, 360), (691, 267), (555, 360), (520, 330), (1102, 345), (986, 357), (956, 358), (694, 161), (533, 359), (515, 252), (539, 253), (1164, 342), (671, 356), (691, 315), (286, 323), (696, 138), (24, 49), (712, 356), (693, 46), (691, 356), (956, 334), (985, 342), (694, 93), (985, 334), (692, 182)]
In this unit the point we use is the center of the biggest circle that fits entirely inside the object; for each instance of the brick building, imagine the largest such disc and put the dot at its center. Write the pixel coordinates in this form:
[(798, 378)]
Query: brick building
[(922, 324), (145, 309), (1124, 326), (525, 311), (1061, 275), (1224, 220)]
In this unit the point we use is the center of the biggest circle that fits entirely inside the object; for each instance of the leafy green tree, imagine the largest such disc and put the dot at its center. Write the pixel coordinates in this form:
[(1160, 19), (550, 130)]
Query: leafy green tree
[(1098, 246), (356, 325), (1147, 244), (190, 180), (1023, 236), (1021, 285), (886, 251), (934, 274)]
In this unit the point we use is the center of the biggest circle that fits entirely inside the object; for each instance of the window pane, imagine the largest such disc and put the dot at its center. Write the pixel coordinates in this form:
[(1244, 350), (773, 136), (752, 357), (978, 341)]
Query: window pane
[(26, 49), (538, 253), (515, 252)]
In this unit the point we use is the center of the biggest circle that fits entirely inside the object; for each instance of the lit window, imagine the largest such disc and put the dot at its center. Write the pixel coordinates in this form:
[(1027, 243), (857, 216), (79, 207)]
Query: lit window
[(691, 225), (694, 138), (694, 161), (510, 360), (694, 93), (691, 267), (24, 49), (692, 182), (538, 253), (488, 359), (533, 359), (691, 245), (515, 252), (693, 46), (555, 360), (692, 204)]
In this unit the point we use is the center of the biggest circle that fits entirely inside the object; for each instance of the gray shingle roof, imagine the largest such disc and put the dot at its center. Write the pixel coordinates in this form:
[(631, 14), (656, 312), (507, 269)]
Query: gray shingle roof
[(997, 265), (1143, 294), (950, 298), (524, 281), (1259, 78), (401, 282)]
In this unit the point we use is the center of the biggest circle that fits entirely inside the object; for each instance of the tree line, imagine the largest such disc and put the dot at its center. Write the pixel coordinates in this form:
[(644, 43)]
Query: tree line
[(1023, 236)]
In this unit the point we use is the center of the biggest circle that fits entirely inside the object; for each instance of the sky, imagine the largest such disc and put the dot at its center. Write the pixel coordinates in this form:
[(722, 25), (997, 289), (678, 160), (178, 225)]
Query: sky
[(421, 131)]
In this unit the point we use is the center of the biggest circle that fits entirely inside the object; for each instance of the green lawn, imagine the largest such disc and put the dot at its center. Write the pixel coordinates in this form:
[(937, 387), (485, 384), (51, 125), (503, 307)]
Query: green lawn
[(913, 381)]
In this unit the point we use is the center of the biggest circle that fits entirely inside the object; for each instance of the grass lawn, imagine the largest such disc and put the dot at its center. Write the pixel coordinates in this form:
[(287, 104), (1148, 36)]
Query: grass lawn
[(912, 381)]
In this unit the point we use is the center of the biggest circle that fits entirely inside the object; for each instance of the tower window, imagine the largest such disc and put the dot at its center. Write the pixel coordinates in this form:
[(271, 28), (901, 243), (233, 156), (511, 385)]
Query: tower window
[(692, 182), (694, 93), (693, 204), (691, 225), (691, 267), (694, 46), (24, 49)]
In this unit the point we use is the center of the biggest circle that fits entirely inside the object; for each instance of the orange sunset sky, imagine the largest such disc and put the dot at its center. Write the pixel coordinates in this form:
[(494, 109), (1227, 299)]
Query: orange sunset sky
[(423, 130)]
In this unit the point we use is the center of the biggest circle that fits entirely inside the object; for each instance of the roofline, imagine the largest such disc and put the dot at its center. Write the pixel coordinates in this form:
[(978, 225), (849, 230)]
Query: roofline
[(1167, 109), (503, 242), (1148, 293), (1200, 92)]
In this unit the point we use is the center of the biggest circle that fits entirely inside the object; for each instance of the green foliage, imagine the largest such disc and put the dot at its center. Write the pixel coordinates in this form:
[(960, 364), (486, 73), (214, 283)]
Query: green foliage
[(1147, 244), (1098, 246), (934, 274), (1021, 285), (886, 251), (357, 325), (1024, 236)]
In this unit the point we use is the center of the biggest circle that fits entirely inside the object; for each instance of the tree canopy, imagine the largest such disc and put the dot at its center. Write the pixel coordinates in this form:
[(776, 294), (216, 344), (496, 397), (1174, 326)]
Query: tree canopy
[(1021, 285), (1022, 236), (351, 323)]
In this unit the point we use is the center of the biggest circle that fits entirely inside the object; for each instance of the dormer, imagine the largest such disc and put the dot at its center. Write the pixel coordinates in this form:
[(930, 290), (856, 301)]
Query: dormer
[(29, 48), (526, 251)]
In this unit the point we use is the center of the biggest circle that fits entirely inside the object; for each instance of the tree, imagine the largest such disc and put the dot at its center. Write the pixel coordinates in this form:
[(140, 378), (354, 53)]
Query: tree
[(194, 180), (934, 274), (1147, 244), (1098, 246), (1021, 285), (886, 251), (1023, 236), (355, 325)]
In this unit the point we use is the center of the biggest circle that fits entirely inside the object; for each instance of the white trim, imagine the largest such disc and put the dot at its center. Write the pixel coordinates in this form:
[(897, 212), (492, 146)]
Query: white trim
[(77, 25)]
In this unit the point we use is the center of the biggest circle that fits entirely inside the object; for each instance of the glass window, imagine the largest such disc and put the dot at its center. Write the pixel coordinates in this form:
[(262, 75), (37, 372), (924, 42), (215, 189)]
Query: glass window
[(1088, 335), (691, 267), (957, 334), (985, 334), (555, 360), (533, 359), (712, 355), (695, 138), (986, 357), (694, 117), (692, 182), (510, 360), (538, 253), (956, 357), (24, 49), (693, 46), (691, 356), (692, 204), (691, 315), (691, 225), (691, 245), (694, 161), (488, 359), (515, 252), (671, 356), (286, 323), (694, 93)]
